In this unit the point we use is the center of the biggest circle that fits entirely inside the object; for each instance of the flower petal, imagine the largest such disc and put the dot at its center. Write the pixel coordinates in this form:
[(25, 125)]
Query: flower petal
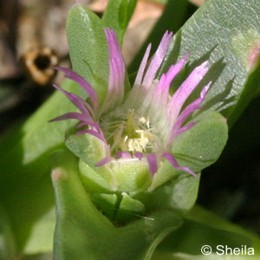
[(152, 162), (177, 129), (77, 116), (123, 155), (160, 94), (140, 73), (104, 161), (80, 103), (183, 92), (82, 83), (97, 134), (115, 92), (170, 75), (157, 60), (139, 155), (170, 158)]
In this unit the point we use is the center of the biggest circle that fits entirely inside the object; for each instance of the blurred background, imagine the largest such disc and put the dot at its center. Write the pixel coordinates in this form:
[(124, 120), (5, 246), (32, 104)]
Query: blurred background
[(33, 39)]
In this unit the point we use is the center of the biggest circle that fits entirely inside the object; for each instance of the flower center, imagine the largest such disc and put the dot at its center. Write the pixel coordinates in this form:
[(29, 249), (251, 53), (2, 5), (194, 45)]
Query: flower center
[(128, 132)]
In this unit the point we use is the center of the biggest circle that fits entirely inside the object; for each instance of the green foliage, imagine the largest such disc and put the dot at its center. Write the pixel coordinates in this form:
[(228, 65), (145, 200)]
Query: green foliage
[(25, 187), (82, 231), (215, 32), (117, 16), (202, 227), (88, 48)]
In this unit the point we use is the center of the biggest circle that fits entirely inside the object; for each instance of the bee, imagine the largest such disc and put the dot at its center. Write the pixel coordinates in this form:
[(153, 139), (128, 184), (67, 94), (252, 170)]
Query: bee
[(38, 64)]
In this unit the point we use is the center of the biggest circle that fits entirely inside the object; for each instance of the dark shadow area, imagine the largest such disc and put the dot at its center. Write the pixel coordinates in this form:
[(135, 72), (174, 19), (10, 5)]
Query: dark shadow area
[(230, 187)]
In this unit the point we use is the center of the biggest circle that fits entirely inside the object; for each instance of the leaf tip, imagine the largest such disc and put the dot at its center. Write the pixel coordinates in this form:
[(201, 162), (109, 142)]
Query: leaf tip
[(58, 174)]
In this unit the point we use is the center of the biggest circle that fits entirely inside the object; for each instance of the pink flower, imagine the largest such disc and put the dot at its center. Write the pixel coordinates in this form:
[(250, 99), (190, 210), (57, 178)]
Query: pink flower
[(143, 123)]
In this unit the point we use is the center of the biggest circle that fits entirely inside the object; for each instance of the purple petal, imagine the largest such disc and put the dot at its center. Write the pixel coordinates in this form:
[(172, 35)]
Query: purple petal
[(152, 162), (115, 91), (183, 129), (138, 155), (140, 74), (80, 103), (82, 83), (157, 59), (170, 158), (187, 112), (161, 93), (186, 88), (104, 161), (98, 135), (174, 70), (77, 116), (123, 155), (92, 124)]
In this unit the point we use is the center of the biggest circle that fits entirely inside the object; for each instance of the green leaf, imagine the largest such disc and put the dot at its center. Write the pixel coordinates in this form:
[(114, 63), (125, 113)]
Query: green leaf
[(252, 86), (92, 180), (41, 234), (88, 48), (86, 147), (119, 176), (172, 194), (202, 215), (82, 232), (25, 185), (202, 145), (196, 148), (216, 33), (7, 240), (117, 16), (190, 238), (200, 228)]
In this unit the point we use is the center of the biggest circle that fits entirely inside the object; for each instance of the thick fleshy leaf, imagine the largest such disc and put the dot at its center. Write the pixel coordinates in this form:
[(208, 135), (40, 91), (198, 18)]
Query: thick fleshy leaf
[(25, 185), (201, 215), (226, 35), (196, 235), (172, 193), (250, 91), (7, 240), (82, 232), (88, 48), (198, 231), (27, 159), (120, 176), (117, 15), (202, 145), (197, 148)]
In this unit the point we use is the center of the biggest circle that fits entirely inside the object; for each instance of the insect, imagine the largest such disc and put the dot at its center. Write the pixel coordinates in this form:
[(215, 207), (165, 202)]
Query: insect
[(38, 64)]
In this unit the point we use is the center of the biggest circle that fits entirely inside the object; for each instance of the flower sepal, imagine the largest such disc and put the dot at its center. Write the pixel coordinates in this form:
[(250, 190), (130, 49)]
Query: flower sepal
[(196, 148), (124, 187), (121, 175)]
